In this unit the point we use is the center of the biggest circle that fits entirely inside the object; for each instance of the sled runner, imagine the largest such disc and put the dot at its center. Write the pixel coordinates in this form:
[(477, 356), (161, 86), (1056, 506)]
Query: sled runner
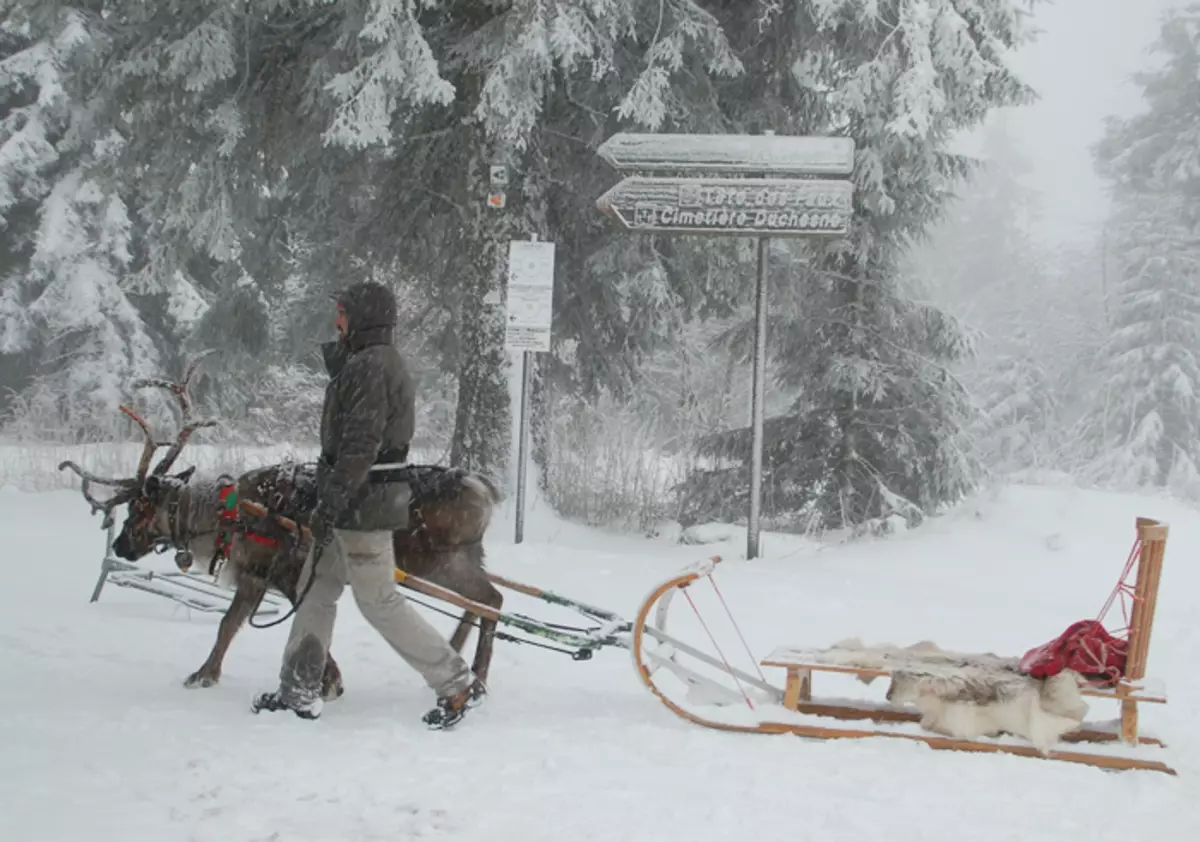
[(948, 700)]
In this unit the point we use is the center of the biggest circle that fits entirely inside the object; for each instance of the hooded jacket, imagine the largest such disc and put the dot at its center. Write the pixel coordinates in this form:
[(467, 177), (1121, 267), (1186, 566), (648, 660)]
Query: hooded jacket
[(368, 416)]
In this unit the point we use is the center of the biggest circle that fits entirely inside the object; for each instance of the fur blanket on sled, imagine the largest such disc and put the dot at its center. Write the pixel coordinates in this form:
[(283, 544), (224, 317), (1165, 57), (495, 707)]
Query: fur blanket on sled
[(966, 696)]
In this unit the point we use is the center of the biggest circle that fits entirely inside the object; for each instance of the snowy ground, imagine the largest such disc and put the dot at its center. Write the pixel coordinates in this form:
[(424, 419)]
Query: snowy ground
[(101, 741)]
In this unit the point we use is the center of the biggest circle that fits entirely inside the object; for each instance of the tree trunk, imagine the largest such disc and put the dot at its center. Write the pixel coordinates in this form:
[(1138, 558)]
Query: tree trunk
[(482, 419)]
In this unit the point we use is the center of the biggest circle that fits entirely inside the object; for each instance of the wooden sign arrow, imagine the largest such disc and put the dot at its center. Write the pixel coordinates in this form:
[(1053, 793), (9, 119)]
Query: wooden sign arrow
[(731, 153), (773, 207)]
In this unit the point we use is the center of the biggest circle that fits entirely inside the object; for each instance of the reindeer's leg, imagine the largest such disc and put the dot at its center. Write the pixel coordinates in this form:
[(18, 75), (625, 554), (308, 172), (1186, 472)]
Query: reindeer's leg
[(487, 634), (435, 566), (246, 599), (461, 570), (465, 624)]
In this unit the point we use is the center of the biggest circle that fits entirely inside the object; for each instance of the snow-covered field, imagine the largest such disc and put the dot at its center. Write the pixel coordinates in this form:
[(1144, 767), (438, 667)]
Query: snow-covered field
[(101, 741)]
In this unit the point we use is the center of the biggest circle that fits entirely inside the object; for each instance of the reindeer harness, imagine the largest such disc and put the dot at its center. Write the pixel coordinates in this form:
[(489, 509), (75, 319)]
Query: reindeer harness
[(232, 526)]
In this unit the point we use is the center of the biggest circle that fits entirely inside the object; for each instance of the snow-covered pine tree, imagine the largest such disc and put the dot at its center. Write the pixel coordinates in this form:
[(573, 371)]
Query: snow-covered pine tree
[(65, 307), (1017, 404), (199, 185), (87, 321), (1145, 431), (1145, 425), (34, 112), (222, 107), (874, 434)]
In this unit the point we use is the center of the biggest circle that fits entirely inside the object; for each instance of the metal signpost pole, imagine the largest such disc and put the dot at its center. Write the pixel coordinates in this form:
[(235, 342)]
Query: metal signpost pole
[(522, 446), (758, 394), (757, 398), (701, 198), (530, 303)]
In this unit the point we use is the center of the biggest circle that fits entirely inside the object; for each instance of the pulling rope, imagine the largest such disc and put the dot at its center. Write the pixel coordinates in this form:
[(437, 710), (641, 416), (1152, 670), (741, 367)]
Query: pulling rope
[(712, 580), (717, 646), (1123, 588)]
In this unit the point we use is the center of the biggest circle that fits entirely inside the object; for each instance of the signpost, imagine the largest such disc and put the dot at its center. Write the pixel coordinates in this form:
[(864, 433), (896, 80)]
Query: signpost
[(752, 154), (700, 197), (529, 311), (755, 207)]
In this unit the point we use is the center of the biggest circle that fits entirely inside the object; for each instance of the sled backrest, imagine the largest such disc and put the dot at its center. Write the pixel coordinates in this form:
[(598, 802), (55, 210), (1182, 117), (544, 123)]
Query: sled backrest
[(1153, 536)]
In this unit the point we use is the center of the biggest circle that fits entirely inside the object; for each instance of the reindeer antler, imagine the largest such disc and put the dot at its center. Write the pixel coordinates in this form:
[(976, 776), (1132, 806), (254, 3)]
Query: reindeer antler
[(128, 490), (190, 424), (148, 449)]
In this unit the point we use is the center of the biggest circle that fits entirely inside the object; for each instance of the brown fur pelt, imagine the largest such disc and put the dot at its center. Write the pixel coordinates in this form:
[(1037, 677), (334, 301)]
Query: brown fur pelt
[(966, 696)]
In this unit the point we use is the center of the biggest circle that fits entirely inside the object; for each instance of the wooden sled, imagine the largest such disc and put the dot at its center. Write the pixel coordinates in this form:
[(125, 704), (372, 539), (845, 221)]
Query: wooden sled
[(731, 699)]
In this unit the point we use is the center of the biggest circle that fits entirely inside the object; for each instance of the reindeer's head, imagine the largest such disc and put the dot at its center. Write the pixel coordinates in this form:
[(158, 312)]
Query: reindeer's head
[(152, 495)]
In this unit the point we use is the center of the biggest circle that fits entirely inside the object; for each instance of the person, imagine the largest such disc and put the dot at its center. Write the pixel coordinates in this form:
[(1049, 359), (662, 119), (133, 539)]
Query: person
[(366, 426)]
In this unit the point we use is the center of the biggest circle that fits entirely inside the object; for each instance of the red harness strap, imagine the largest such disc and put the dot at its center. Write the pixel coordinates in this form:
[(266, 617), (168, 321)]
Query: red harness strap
[(232, 526), (1086, 646)]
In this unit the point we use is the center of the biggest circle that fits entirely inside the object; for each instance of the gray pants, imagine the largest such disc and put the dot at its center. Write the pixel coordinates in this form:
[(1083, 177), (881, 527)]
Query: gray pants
[(366, 561)]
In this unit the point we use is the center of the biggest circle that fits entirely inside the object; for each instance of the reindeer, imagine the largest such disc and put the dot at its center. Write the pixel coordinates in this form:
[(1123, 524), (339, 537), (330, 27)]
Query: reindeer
[(443, 543)]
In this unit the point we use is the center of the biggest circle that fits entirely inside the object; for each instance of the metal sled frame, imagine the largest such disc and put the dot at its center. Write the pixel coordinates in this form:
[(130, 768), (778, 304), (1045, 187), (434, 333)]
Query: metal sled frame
[(186, 589), (1114, 745)]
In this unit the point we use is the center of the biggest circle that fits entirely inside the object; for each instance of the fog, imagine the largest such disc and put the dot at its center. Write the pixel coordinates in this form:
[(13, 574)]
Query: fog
[(1081, 66)]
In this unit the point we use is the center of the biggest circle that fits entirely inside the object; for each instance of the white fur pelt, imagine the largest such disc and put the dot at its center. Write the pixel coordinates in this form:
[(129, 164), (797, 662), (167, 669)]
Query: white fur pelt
[(971, 695)]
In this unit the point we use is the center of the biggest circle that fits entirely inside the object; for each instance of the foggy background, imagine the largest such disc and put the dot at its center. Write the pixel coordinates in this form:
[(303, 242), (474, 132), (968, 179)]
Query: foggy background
[(1081, 66)]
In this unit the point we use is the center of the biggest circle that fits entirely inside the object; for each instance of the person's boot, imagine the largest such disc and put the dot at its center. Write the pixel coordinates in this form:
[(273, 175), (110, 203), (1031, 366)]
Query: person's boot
[(300, 686), (451, 709), (275, 701)]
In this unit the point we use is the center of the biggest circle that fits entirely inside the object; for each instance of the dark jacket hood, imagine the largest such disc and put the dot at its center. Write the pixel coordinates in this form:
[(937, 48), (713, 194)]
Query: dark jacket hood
[(370, 310), (368, 304)]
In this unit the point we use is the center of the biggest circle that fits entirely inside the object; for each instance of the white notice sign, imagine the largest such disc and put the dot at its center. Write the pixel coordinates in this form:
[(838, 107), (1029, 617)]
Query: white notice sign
[(530, 295)]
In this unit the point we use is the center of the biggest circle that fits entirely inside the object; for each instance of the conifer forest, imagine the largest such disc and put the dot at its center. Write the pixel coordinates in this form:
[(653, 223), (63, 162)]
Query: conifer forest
[(191, 175)]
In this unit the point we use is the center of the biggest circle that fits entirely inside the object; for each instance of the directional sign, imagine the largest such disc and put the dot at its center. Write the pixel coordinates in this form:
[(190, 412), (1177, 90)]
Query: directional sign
[(706, 196), (530, 296), (730, 153), (733, 206)]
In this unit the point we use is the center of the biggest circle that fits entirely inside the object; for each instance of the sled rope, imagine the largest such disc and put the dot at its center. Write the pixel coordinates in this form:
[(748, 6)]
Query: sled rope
[(717, 646), (1123, 588), (712, 580), (1090, 655)]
